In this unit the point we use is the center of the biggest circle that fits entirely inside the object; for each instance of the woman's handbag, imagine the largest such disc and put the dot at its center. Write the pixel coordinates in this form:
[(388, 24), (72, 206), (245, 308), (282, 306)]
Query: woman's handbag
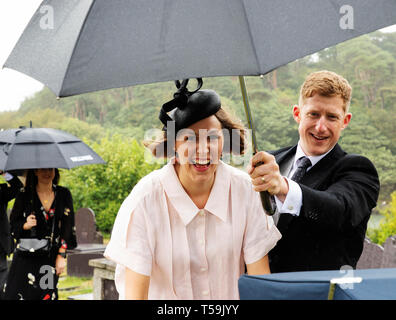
[(34, 246)]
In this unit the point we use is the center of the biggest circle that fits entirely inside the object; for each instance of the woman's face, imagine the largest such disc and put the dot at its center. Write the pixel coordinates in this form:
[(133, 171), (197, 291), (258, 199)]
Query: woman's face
[(45, 175), (199, 150)]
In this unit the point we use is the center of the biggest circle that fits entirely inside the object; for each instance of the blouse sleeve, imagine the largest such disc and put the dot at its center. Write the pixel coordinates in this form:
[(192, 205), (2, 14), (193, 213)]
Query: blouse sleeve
[(261, 234), (68, 229), (129, 245), (18, 217)]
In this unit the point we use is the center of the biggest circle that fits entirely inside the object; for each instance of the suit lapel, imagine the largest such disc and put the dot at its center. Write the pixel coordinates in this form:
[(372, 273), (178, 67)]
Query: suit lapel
[(284, 158), (285, 154), (312, 178), (320, 170)]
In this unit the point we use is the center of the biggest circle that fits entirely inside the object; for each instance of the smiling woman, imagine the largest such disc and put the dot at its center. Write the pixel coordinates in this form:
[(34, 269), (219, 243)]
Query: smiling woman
[(231, 130), (187, 231)]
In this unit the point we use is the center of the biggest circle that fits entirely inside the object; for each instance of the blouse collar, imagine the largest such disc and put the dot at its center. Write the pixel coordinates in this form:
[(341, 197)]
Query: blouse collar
[(217, 203)]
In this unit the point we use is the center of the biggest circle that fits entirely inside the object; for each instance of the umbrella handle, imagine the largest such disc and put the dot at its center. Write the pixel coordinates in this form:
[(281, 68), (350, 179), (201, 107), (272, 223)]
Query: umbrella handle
[(266, 199), (266, 202), (264, 195)]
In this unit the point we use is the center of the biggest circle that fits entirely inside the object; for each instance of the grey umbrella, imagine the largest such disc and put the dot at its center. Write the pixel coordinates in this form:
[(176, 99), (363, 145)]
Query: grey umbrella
[(79, 46), (28, 148)]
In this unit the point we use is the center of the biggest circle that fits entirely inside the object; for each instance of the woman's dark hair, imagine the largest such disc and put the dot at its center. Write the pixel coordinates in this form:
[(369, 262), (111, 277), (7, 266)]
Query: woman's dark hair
[(231, 124), (159, 147), (31, 179)]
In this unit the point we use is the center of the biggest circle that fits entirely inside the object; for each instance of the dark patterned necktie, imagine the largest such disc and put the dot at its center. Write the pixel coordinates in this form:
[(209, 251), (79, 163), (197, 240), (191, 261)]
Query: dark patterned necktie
[(302, 165)]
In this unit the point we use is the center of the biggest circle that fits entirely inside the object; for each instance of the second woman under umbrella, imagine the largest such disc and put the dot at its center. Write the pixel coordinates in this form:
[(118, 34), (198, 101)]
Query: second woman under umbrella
[(40, 205)]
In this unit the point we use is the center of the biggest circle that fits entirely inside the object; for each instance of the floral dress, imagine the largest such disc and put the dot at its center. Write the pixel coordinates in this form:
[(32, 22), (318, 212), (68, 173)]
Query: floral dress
[(33, 277)]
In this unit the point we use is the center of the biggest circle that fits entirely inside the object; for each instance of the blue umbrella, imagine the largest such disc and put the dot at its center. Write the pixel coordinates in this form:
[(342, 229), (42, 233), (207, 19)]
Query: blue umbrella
[(362, 284)]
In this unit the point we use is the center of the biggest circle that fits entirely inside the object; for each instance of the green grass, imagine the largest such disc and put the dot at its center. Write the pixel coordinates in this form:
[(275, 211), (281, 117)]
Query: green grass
[(70, 286), (106, 237)]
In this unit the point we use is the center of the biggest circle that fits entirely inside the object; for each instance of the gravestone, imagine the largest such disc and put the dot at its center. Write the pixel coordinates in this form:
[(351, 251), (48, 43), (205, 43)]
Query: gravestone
[(103, 279), (89, 244), (389, 260), (86, 229), (371, 257)]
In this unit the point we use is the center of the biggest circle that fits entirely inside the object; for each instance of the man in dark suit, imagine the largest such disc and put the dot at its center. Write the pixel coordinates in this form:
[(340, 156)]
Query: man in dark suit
[(7, 193), (324, 196)]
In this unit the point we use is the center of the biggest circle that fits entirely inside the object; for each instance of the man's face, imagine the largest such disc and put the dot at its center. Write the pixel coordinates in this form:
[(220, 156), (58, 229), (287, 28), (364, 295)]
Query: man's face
[(321, 120)]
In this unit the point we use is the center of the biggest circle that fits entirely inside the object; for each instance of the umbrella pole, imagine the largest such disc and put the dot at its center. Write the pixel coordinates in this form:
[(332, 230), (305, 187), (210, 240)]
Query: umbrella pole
[(248, 113), (264, 195)]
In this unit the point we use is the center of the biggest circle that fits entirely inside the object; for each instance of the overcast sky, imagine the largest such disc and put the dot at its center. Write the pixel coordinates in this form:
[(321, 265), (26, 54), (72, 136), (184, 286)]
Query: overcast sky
[(14, 86)]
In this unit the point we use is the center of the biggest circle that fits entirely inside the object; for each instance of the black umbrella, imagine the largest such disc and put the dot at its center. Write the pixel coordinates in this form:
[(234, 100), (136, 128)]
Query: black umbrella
[(90, 45), (28, 148)]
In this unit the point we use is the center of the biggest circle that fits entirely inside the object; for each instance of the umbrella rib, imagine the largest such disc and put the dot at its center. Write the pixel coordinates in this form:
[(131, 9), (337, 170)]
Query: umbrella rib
[(63, 156), (8, 152), (74, 48), (251, 36)]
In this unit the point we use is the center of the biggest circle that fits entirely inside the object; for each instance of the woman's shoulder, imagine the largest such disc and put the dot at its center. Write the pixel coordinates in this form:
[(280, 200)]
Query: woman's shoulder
[(62, 191), (147, 185), (239, 179), (237, 173), (145, 195)]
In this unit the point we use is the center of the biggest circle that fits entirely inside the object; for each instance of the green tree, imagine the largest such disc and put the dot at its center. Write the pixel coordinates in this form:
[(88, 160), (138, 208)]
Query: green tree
[(362, 137), (387, 225), (103, 188), (368, 67)]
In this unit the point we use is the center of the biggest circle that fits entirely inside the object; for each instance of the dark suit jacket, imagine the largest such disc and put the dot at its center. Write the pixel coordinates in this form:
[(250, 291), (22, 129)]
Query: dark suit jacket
[(338, 194), (7, 193)]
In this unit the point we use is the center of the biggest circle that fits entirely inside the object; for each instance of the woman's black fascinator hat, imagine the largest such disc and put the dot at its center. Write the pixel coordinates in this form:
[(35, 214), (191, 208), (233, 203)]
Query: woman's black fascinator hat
[(188, 107)]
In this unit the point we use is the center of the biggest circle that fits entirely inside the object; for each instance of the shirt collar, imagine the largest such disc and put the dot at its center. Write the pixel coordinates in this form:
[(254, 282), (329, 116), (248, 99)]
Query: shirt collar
[(314, 159), (217, 203)]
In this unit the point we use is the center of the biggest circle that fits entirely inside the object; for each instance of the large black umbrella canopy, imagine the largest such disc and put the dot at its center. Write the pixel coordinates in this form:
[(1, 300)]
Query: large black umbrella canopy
[(91, 45), (30, 148)]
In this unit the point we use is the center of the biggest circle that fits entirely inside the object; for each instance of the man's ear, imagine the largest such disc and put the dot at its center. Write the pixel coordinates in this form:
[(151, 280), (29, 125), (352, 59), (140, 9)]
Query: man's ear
[(347, 119), (297, 113)]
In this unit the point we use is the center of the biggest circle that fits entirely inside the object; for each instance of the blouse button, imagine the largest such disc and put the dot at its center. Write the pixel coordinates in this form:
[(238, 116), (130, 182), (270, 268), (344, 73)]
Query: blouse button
[(201, 213), (203, 269), (205, 292)]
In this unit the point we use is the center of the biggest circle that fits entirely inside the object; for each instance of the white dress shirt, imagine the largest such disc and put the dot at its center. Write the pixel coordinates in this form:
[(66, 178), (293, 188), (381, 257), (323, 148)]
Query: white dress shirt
[(293, 200)]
